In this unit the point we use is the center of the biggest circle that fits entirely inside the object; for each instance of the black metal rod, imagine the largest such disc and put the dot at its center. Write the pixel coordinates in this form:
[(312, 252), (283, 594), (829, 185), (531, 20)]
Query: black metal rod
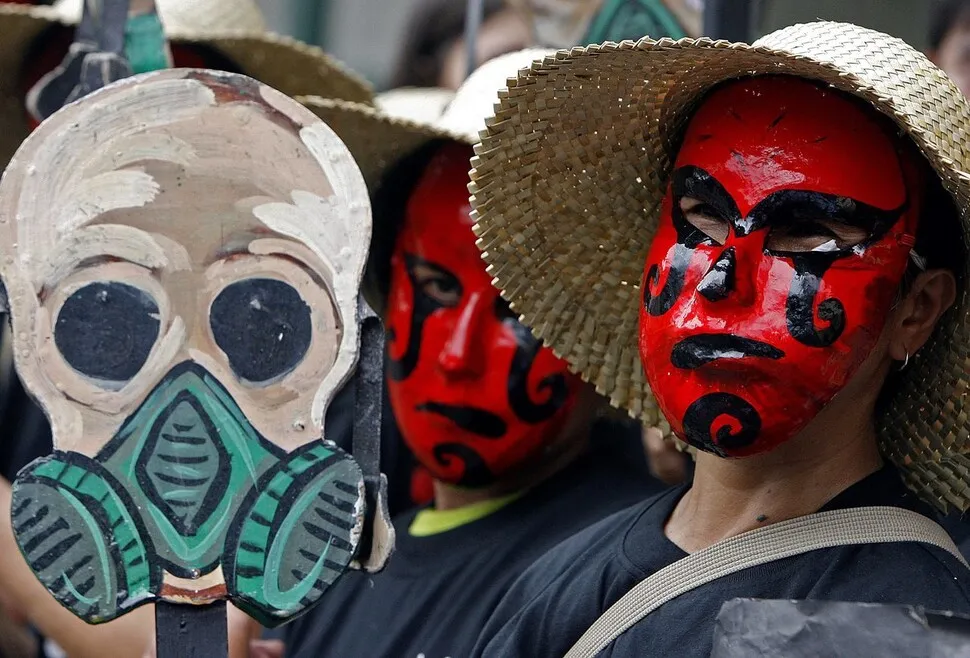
[(191, 631), (728, 19), (474, 14)]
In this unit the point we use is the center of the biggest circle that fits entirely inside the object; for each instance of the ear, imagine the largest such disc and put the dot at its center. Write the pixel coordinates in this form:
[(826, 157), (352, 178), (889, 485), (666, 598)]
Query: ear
[(931, 294)]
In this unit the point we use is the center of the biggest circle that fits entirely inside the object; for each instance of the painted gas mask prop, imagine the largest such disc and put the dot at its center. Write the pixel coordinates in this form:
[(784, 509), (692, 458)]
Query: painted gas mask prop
[(182, 253), (475, 394), (784, 236)]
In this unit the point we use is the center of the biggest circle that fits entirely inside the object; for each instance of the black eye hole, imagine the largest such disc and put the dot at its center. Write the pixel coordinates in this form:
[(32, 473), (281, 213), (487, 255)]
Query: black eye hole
[(263, 326), (106, 331), (819, 235), (434, 282), (706, 219)]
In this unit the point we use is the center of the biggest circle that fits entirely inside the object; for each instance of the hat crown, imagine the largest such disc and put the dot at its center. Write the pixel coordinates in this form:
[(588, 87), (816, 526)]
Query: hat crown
[(889, 68), (190, 16), (476, 98)]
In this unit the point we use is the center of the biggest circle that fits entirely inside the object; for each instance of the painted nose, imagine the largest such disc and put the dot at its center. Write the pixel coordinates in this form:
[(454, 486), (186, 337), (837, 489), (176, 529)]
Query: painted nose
[(722, 281), (462, 354)]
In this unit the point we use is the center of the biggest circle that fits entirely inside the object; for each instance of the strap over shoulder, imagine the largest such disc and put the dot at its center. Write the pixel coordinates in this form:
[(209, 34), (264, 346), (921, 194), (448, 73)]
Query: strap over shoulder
[(860, 525)]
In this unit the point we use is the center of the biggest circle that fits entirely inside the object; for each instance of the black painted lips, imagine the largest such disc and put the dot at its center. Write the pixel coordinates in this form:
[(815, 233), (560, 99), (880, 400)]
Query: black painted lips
[(696, 351), (471, 419)]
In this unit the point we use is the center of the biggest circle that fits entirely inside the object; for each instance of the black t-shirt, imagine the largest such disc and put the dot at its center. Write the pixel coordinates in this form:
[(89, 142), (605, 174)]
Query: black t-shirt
[(25, 433), (562, 594), (437, 591)]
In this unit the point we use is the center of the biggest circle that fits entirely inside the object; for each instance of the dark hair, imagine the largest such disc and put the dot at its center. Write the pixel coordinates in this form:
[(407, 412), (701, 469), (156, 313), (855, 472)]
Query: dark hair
[(388, 204), (946, 15), (939, 237), (939, 241), (433, 27)]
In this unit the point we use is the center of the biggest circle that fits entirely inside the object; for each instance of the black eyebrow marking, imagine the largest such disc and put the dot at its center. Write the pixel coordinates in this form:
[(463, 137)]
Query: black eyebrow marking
[(819, 140), (778, 119), (735, 114), (791, 206), (778, 208), (696, 183)]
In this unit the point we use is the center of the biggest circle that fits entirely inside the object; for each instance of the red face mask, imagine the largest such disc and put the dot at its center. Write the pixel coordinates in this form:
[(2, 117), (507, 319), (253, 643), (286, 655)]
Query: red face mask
[(474, 394), (783, 239)]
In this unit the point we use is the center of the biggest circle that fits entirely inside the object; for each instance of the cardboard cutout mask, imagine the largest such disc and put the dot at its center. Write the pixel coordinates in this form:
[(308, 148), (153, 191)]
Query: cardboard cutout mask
[(474, 393), (783, 239), (182, 253)]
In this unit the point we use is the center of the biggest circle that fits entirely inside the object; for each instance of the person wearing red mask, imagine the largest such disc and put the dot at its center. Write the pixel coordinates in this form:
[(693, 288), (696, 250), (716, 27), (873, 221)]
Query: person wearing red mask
[(504, 429), (775, 236)]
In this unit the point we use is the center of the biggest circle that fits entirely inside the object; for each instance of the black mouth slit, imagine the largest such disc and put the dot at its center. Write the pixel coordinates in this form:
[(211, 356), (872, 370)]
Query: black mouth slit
[(696, 351), (471, 419)]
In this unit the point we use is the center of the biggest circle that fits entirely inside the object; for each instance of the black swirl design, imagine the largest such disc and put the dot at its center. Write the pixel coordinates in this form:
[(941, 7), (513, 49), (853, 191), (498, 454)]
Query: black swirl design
[(526, 350), (476, 473), (800, 305), (662, 302), (701, 416), (424, 306)]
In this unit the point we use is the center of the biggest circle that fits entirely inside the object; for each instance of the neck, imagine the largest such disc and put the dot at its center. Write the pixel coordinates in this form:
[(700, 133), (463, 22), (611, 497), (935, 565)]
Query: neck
[(731, 496)]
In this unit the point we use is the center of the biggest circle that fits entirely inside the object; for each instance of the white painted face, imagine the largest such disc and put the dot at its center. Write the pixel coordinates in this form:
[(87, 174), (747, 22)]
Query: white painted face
[(177, 219)]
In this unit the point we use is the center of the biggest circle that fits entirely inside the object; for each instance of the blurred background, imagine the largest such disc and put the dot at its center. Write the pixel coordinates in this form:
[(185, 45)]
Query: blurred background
[(350, 29)]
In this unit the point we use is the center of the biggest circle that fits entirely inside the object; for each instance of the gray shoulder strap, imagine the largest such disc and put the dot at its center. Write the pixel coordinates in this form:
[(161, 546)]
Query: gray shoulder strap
[(861, 525)]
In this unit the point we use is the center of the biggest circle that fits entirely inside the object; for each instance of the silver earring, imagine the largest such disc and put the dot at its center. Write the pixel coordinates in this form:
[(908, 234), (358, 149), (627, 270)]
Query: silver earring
[(905, 362)]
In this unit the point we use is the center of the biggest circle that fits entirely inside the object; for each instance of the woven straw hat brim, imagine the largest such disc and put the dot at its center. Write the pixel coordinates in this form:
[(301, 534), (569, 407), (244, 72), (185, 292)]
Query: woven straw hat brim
[(292, 67), (420, 104), (286, 64), (569, 176), (376, 139)]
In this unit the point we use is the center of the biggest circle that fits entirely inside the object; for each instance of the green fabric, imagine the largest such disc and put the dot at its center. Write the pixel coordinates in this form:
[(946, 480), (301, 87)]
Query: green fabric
[(433, 522), (631, 19), (145, 45)]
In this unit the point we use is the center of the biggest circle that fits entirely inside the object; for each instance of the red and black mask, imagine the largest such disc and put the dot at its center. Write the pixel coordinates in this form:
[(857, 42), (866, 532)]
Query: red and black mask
[(783, 239), (474, 394)]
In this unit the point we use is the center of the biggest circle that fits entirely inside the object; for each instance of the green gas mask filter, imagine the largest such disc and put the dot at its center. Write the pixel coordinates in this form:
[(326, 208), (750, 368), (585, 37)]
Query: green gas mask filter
[(187, 486)]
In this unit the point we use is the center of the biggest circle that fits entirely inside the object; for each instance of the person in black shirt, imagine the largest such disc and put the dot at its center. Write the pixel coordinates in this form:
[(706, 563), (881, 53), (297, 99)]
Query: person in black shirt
[(510, 437), (798, 319), (450, 568)]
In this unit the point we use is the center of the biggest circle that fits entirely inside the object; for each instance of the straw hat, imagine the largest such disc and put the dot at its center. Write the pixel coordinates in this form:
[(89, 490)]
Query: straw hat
[(421, 104), (378, 140), (568, 180), (234, 28)]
